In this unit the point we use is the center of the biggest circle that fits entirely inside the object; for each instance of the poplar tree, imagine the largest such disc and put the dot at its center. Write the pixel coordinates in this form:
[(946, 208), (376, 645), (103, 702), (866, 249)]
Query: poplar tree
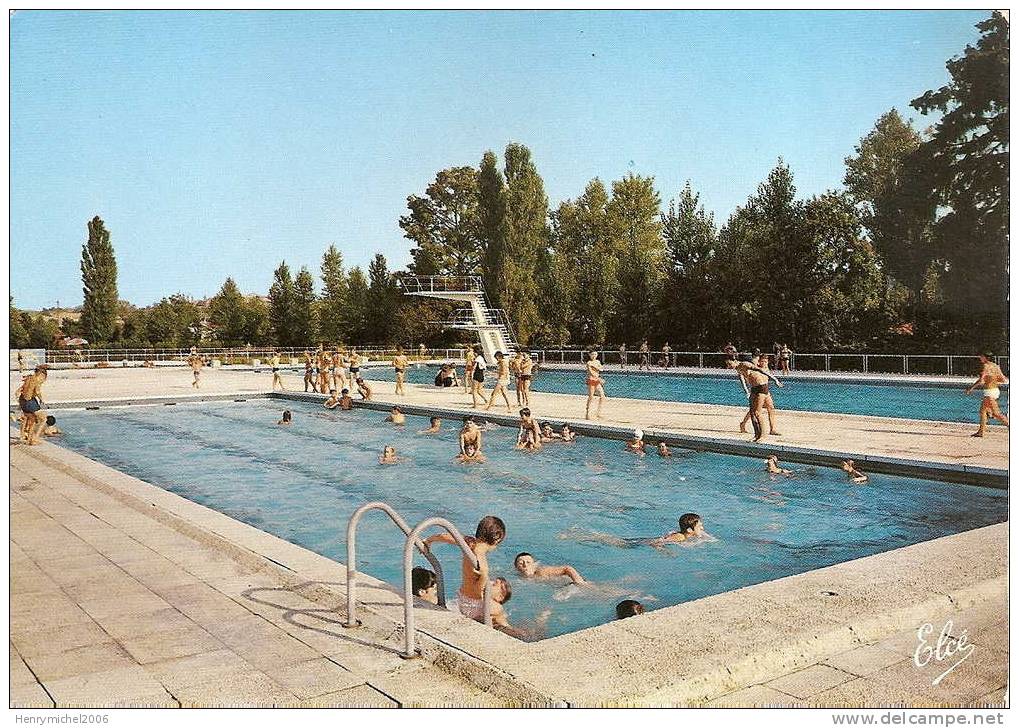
[(527, 235), (99, 284), (305, 319), (226, 311), (334, 296), (281, 306), (492, 228)]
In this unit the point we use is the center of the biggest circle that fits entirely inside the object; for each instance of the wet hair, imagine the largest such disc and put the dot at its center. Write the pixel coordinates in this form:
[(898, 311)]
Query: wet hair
[(508, 593), (629, 608), (396, 408), (434, 419), (50, 420), (287, 416), (345, 391), (491, 530), (520, 556), (525, 412), (499, 355), (422, 579), (687, 521)]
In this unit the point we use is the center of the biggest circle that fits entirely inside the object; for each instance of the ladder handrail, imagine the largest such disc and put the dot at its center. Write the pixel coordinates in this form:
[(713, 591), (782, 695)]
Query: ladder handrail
[(408, 558), (352, 556)]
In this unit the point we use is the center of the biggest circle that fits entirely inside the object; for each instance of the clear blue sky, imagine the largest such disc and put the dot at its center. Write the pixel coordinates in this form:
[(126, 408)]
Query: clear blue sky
[(218, 143)]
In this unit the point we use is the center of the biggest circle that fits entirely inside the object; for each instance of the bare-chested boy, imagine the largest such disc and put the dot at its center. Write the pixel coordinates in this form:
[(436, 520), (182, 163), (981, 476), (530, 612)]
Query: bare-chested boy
[(470, 434), (501, 382), (990, 377), (529, 437), (195, 360), (529, 568), (526, 375), (396, 416), (757, 380), (434, 426), (491, 531)]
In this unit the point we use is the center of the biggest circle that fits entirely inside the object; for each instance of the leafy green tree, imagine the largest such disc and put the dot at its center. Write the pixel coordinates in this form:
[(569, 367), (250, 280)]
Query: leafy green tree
[(355, 319), (689, 296), (634, 217), (492, 228), (305, 316), (257, 330), (966, 161), (282, 296), (99, 283), (226, 312), (444, 224), (334, 296), (43, 332), (382, 302), (527, 234), (174, 322), (18, 332)]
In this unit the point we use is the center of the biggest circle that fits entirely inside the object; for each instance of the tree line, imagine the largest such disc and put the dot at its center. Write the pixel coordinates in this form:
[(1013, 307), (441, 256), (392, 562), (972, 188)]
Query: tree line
[(912, 255)]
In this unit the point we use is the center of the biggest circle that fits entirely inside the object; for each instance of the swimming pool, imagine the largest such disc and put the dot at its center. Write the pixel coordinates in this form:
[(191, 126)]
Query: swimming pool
[(883, 400), (302, 483)]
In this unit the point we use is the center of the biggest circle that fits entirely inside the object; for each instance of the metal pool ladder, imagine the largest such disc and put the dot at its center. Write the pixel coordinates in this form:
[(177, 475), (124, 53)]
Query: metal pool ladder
[(413, 540)]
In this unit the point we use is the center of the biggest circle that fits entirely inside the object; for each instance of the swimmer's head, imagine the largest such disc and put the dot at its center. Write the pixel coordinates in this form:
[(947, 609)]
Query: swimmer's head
[(388, 451), (771, 458), (359, 380), (435, 421), (491, 530), (345, 391), (985, 356), (501, 590), (424, 584), (546, 428), (525, 412), (691, 523), (50, 420), (287, 416), (525, 564), (592, 354), (629, 608), (333, 392), (499, 355), (662, 447), (638, 434), (396, 409)]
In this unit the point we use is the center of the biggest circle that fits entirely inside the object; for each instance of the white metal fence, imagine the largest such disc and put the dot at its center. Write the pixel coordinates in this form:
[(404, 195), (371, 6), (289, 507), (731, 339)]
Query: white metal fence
[(867, 363)]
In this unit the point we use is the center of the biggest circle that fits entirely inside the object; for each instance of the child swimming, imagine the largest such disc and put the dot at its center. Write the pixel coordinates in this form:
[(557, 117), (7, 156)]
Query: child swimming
[(854, 475), (396, 416), (636, 445), (288, 418), (471, 454), (333, 401), (771, 465), (663, 450), (435, 424), (529, 568), (425, 585), (388, 456)]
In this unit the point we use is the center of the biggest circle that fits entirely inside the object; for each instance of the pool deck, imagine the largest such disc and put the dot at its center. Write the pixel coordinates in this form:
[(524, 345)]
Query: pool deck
[(125, 594)]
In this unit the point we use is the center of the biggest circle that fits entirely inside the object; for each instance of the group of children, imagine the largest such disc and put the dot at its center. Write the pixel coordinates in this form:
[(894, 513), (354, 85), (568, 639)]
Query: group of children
[(489, 534)]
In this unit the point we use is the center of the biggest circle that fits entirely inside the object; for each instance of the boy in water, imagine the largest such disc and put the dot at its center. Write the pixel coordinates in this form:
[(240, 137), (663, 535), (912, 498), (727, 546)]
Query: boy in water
[(470, 434), (471, 454), (530, 434), (396, 416), (288, 418), (567, 434), (491, 532), (854, 475), (435, 424), (346, 403), (388, 456), (690, 526), (990, 377), (51, 429), (333, 401), (363, 389), (629, 608), (771, 465), (663, 450), (636, 445), (425, 585), (548, 434), (528, 568)]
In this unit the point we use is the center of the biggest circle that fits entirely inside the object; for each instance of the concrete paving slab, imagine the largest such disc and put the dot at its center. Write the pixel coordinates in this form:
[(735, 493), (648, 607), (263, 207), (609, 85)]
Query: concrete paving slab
[(82, 660), (247, 689), (123, 687), (312, 678), (173, 641), (810, 681), (362, 696), (759, 696), (30, 695), (864, 661), (177, 673)]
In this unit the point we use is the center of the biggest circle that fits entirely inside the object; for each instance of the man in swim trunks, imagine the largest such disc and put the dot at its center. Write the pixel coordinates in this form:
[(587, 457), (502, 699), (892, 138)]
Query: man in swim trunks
[(784, 357), (30, 402), (525, 376), (595, 384), (399, 367), (195, 360), (666, 355), (309, 374), (757, 380), (501, 382), (989, 380), (622, 355), (346, 402), (529, 436), (645, 356), (324, 361)]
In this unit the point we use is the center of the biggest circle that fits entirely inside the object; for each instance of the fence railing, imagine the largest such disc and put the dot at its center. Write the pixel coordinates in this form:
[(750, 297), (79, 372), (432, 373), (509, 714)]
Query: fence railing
[(228, 355), (963, 365)]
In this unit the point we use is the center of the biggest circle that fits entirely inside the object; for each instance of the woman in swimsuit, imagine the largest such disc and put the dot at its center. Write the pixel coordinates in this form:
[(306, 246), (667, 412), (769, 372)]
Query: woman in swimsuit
[(309, 374), (468, 369), (275, 364), (595, 383), (501, 382)]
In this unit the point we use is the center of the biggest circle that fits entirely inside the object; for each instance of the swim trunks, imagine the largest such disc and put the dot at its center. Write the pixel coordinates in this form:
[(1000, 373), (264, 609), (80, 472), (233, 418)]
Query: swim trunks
[(479, 374), (470, 607), (30, 406), (759, 389), (992, 393)]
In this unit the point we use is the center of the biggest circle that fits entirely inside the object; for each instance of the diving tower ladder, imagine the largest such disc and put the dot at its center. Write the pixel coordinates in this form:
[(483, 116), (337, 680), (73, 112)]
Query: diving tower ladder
[(492, 325)]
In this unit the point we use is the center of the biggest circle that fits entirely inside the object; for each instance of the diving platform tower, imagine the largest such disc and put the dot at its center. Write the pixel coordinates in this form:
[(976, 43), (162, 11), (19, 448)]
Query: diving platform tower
[(491, 324)]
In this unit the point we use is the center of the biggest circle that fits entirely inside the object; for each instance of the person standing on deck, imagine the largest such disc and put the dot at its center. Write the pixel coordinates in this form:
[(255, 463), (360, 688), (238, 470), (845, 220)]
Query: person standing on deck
[(645, 356), (666, 354), (595, 383), (31, 404), (525, 376), (400, 364), (478, 378), (324, 360), (990, 377), (195, 360), (622, 355), (757, 378), (501, 381), (309, 373), (274, 362), (785, 356), (514, 367)]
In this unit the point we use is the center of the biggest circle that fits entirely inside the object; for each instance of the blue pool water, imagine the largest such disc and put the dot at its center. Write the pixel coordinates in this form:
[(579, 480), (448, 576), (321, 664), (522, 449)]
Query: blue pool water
[(302, 482), (883, 400)]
